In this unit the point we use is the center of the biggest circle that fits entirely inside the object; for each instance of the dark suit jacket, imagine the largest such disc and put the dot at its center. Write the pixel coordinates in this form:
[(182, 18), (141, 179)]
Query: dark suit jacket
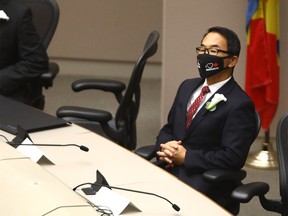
[(215, 139), (22, 56)]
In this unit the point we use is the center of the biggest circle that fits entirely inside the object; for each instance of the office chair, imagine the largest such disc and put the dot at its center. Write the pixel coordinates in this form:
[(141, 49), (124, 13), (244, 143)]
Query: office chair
[(45, 19), (246, 192), (214, 176), (122, 127)]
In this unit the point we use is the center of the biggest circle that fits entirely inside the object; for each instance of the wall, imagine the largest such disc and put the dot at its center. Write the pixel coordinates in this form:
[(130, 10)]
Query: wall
[(184, 23), (101, 30)]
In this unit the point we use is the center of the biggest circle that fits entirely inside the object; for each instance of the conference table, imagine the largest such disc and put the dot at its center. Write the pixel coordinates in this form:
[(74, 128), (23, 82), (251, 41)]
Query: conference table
[(71, 167)]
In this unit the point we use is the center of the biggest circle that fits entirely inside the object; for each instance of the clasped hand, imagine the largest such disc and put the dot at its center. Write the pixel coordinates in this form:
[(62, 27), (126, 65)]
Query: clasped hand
[(172, 152)]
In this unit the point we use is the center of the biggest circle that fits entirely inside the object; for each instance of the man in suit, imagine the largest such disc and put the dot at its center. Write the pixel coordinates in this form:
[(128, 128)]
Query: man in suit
[(22, 56), (221, 130)]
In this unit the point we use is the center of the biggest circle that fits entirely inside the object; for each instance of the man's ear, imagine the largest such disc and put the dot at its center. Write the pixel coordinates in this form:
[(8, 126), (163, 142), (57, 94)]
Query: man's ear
[(234, 61)]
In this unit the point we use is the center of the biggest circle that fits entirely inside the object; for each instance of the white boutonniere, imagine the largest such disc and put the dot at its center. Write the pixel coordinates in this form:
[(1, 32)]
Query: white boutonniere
[(211, 106), (3, 16)]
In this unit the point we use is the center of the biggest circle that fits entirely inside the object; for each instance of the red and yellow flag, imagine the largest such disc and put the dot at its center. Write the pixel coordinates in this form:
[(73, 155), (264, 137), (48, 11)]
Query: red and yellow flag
[(262, 65)]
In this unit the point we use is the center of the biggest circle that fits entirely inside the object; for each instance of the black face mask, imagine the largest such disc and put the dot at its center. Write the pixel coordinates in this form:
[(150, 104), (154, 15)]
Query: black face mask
[(209, 65)]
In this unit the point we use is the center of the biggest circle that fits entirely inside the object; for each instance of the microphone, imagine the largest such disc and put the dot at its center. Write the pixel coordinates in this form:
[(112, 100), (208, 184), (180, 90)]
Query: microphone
[(82, 147), (175, 207), (22, 134)]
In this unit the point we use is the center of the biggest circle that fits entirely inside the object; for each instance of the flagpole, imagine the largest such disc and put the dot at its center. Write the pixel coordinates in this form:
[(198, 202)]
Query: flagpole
[(266, 139), (266, 158)]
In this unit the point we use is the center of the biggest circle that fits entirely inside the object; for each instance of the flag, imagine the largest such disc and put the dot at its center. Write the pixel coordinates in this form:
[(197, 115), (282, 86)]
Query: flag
[(262, 65)]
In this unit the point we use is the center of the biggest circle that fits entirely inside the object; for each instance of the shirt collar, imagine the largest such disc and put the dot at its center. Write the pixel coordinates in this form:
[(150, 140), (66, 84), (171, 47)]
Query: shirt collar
[(214, 87)]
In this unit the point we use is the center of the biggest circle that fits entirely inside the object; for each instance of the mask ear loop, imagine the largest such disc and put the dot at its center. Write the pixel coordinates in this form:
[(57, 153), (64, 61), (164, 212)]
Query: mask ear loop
[(233, 65)]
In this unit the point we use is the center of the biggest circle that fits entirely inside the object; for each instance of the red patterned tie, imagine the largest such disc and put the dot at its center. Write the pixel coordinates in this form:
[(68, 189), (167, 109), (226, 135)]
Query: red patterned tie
[(194, 106)]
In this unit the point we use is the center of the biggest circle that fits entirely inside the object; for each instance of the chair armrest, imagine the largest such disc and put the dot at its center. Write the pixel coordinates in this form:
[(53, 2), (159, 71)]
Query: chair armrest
[(220, 175), (116, 87), (245, 193), (147, 152), (47, 78), (96, 115), (104, 85)]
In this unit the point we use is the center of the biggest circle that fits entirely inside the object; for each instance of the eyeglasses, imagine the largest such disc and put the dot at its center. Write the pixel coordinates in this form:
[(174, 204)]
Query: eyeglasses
[(210, 51)]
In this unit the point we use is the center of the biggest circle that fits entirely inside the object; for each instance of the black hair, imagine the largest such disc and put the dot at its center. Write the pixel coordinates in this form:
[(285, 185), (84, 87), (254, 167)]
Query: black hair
[(233, 42)]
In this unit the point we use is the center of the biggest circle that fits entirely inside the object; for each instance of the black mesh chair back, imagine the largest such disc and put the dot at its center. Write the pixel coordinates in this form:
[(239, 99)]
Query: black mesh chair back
[(128, 109), (282, 151), (45, 19), (133, 89)]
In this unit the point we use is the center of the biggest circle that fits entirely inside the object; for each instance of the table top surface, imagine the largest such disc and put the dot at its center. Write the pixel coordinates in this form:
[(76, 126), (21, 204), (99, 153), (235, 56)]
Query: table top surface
[(121, 168)]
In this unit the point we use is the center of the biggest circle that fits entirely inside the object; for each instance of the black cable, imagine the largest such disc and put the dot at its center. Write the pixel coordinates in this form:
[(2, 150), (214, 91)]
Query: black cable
[(80, 185), (83, 148), (175, 207), (4, 137)]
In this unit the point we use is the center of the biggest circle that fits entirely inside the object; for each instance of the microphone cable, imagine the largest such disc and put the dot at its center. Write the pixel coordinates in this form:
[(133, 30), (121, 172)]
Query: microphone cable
[(4, 138), (22, 134), (174, 206), (82, 147)]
